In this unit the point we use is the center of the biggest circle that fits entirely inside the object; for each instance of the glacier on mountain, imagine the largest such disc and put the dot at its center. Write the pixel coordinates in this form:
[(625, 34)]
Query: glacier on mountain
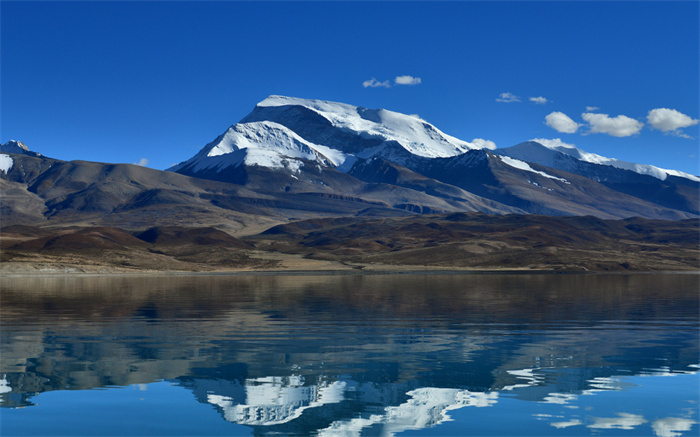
[(530, 152), (270, 137), (264, 143), (284, 132), (522, 165), (361, 131), (411, 132)]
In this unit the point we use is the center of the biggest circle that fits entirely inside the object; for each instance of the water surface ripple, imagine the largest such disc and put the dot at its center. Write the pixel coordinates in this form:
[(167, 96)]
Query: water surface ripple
[(351, 355)]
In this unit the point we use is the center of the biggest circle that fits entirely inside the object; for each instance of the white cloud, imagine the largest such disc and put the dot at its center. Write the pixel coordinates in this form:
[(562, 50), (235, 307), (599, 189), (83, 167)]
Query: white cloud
[(539, 100), (561, 122), (143, 162), (374, 83), (620, 126), (678, 133), (407, 80), (591, 108), (507, 98), (670, 120), (554, 143), (480, 143)]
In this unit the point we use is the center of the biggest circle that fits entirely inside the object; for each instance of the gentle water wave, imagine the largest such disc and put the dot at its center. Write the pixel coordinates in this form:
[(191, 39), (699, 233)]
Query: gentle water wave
[(352, 355)]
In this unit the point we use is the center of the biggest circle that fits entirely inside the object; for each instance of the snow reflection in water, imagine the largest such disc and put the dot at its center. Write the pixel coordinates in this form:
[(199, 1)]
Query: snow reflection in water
[(355, 355), (276, 400)]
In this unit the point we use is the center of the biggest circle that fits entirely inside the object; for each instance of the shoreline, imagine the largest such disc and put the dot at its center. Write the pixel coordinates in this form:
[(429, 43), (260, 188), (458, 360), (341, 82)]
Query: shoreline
[(389, 270)]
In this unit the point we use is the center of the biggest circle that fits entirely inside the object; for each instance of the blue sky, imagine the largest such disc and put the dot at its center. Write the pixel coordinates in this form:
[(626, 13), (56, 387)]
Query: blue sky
[(153, 82)]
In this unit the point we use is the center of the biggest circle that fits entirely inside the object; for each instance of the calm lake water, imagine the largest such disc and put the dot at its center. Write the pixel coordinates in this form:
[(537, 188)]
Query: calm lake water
[(351, 355)]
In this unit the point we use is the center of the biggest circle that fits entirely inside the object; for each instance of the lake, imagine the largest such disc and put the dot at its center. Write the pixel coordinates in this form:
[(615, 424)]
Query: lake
[(351, 355)]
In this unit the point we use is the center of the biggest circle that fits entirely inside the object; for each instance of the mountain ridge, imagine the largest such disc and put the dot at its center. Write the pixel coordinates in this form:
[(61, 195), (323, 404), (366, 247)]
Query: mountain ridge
[(339, 187), (292, 159)]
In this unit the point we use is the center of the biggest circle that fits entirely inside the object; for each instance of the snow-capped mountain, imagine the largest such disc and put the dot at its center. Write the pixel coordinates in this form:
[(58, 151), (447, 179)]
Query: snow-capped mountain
[(263, 143), (301, 146), (557, 154), (17, 147), (283, 132), (669, 188), (372, 129), (295, 158)]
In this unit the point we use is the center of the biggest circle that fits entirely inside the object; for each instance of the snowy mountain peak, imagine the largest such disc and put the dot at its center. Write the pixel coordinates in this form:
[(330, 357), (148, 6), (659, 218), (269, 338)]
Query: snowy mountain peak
[(16, 144), (301, 138), (282, 130), (544, 152), (17, 147), (264, 143), (374, 126)]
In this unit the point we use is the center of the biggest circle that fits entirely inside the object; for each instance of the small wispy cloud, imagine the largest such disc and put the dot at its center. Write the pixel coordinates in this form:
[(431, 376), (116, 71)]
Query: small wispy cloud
[(507, 98), (407, 80), (561, 122), (591, 108), (620, 126), (539, 100), (398, 80), (670, 121), (374, 83), (143, 162)]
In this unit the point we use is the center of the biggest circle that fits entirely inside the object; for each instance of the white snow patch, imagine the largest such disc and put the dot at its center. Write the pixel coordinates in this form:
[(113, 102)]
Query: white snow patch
[(263, 135), (335, 156), (681, 174), (6, 163), (522, 165), (271, 159)]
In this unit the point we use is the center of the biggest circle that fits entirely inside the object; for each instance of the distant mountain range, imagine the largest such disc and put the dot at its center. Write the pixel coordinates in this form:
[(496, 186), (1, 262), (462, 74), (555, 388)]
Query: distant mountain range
[(292, 159)]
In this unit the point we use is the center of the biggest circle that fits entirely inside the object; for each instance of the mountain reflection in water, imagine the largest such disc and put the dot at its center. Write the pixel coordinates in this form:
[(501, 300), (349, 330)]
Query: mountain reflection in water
[(356, 355)]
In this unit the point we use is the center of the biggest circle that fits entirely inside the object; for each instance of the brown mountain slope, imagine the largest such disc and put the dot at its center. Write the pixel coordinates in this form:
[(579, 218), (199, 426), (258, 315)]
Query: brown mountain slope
[(161, 248), (489, 241), (544, 190), (445, 241), (44, 191)]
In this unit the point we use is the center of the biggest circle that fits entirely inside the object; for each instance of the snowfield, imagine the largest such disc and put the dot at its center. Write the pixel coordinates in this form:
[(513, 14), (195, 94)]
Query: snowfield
[(5, 163), (522, 165), (416, 135), (645, 169), (266, 144)]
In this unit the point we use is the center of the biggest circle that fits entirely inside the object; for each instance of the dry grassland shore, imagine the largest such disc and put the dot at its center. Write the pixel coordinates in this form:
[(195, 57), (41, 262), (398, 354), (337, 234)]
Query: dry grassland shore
[(437, 243), (284, 265)]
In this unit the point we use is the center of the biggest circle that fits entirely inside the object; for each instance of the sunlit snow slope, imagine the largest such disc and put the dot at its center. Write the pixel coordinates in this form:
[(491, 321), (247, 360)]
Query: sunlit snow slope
[(282, 131), (546, 152)]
